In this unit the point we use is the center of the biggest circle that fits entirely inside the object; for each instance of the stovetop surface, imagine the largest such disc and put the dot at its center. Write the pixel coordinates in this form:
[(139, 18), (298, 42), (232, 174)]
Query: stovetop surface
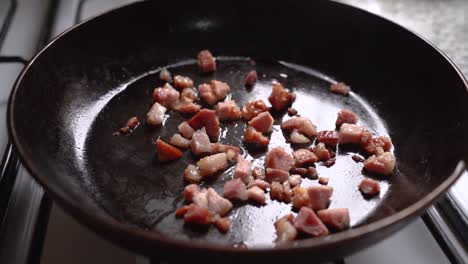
[(25, 25)]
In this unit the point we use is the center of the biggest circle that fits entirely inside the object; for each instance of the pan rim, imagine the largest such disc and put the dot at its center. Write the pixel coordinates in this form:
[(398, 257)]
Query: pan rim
[(102, 225)]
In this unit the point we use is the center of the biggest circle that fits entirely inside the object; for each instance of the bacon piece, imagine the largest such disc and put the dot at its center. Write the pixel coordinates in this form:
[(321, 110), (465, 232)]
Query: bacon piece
[(369, 187), (287, 192), (303, 125), (231, 155), (211, 164), (253, 109), (206, 118), (206, 92), (165, 75), (223, 224), (191, 191), (217, 204), (251, 78), (300, 197), (259, 183), (308, 222), (374, 145), (179, 141), (191, 174), (329, 163), (303, 157), (243, 169), (350, 134), (278, 158), (297, 138), (235, 190), (182, 82), (295, 180), (258, 173), (328, 137), (132, 123), (292, 111), (323, 180), (285, 230), (319, 197), (280, 98), (206, 61), (189, 94), (312, 173), (201, 199), (263, 122), (357, 158), (346, 116), (383, 164), (300, 171), (276, 175), (200, 143), (186, 130), (167, 152), (281, 192), (252, 136), (336, 218), (213, 92), (155, 115), (186, 106), (181, 211), (228, 110), (340, 88), (197, 215), (228, 149), (256, 194), (321, 151), (166, 95)]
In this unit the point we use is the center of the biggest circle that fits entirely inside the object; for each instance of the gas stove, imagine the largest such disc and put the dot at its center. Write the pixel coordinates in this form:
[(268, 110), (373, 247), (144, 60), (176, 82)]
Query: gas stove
[(34, 230)]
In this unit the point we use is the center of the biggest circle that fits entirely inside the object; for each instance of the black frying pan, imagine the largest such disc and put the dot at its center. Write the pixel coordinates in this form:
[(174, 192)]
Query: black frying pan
[(86, 83)]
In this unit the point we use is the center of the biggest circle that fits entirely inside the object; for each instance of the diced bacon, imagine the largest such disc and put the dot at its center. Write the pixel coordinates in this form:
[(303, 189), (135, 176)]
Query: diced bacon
[(132, 123), (374, 145), (155, 115), (166, 95), (256, 194), (295, 180), (223, 224), (350, 134), (252, 136), (181, 82), (206, 92), (186, 130), (201, 199), (281, 192), (285, 230), (253, 109), (235, 190), (220, 89), (300, 197), (336, 218), (167, 152), (383, 164), (211, 164), (276, 175), (278, 158), (179, 141), (200, 143), (312, 173), (328, 137), (330, 162), (251, 78), (165, 75), (303, 157), (259, 183), (263, 122), (191, 191), (340, 88), (228, 110), (357, 158), (323, 180), (243, 169), (369, 187), (287, 192), (217, 204), (303, 125), (319, 196), (191, 174), (206, 61), (258, 173), (308, 222), (189, 94), (297, 138), (181, 211), (280, 98), (186, 106), (292, 111), (213, 92), (346, 116), (197, 215), (208, 119), (300, 171), (218, 147), (321, 151), (231, 155)]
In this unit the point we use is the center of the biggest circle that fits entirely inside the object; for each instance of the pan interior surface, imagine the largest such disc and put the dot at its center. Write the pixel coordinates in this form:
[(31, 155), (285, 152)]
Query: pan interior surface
[(134, 187)]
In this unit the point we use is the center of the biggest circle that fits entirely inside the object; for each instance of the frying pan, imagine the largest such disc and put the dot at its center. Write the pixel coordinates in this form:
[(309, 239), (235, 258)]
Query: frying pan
[(87, 82)]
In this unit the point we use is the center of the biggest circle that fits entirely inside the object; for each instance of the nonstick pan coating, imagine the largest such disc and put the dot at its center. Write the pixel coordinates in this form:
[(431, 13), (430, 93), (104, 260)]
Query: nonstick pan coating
[(90, 80)]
